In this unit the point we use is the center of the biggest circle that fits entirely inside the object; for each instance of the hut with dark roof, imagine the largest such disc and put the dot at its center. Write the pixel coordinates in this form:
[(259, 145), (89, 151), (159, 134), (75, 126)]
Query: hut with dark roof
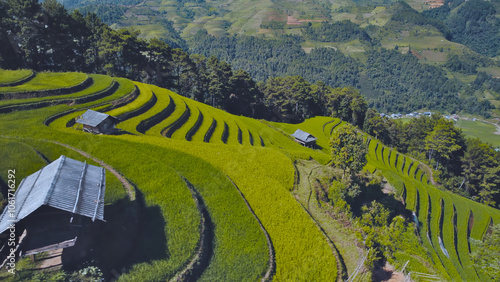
[(304, 138), (55, 205), (96, 122)]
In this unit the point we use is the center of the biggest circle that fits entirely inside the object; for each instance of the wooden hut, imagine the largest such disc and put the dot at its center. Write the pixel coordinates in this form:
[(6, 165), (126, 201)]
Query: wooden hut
[(55, 205), (96, 122), (304, 138)]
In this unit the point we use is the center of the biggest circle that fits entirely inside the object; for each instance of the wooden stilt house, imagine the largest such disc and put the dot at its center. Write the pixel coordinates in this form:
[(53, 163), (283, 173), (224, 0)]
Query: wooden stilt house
[(55, 205), (304, 138), (96, 122)]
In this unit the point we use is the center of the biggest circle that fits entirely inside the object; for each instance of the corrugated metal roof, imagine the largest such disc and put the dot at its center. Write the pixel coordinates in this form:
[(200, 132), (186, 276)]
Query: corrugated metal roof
[(93, 118), (64, 184), (304, 136)]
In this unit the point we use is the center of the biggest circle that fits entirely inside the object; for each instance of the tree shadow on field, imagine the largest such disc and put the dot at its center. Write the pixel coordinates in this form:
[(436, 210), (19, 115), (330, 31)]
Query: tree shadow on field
[(133, 233), (317, 147), (151, 242), (373, 192)]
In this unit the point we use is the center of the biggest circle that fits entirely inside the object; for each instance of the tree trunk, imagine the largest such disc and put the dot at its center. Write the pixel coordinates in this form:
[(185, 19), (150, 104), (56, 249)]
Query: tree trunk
[(462, 183)]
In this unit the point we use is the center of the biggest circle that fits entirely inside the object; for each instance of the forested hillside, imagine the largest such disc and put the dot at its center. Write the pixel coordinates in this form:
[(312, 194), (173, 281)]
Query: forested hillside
[(473, 23), (337, 44), (389, 80), (243, 157)]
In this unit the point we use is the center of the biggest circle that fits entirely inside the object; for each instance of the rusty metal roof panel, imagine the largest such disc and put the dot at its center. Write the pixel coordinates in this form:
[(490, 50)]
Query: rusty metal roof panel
[(64, 184)]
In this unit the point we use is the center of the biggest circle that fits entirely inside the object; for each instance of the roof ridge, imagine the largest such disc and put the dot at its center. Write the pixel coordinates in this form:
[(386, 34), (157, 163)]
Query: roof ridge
[(17, 210), (80, 186), (53, 182), (98, 201)]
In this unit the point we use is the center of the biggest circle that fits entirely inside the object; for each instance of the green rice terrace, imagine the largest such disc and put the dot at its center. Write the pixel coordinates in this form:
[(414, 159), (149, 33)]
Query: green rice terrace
[(194, 192)]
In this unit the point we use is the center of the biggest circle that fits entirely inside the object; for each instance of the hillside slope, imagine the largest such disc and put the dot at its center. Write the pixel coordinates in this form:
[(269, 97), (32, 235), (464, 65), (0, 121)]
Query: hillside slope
[(212, 191)]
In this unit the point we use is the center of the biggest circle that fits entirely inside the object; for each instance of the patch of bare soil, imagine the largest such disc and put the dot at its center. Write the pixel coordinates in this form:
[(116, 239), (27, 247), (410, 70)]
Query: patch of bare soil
[(52, 260), (388, 189), (434, 3), (388, 273), (290, 20)]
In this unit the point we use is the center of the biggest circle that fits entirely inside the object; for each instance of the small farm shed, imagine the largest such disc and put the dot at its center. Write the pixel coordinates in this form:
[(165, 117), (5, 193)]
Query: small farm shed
[(55, 205), (304, 138), (96, 122)]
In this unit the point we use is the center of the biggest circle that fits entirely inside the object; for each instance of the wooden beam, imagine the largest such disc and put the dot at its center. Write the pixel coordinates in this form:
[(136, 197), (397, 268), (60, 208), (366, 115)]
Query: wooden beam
[(61, 245)]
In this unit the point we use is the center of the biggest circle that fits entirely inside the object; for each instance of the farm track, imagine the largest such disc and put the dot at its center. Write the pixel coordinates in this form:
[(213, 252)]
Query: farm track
[(341, 268), (342, 272), (129, 188)]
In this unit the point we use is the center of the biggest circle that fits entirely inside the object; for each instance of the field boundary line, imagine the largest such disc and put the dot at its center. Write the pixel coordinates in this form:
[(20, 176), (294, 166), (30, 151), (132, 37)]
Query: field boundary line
[(202, 257), (271, 270), (126, 184)]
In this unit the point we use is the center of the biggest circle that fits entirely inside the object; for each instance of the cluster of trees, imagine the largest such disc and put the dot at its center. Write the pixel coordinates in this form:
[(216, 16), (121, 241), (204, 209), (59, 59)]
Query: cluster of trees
[(343, 31), (457, 64), (284, 56), (296, 99), (473, 23), (467, 167), (356, 195), (109, 14), (46, 37), (486, 256), (405, 14), (391, 81), (273, 25), (398, 82), (487, 82)]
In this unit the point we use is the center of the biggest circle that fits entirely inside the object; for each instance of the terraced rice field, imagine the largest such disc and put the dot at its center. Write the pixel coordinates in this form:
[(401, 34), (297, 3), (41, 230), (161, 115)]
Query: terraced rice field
[(11, 77), (213, 188), (442, 215), (208, 231), (445, 221)]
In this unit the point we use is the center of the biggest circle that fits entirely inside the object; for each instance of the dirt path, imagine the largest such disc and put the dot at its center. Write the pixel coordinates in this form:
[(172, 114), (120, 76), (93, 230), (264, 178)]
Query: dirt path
[(126, 184), (497, 126), (341, 243), (428, 168), (129, 188), (485, 121)]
